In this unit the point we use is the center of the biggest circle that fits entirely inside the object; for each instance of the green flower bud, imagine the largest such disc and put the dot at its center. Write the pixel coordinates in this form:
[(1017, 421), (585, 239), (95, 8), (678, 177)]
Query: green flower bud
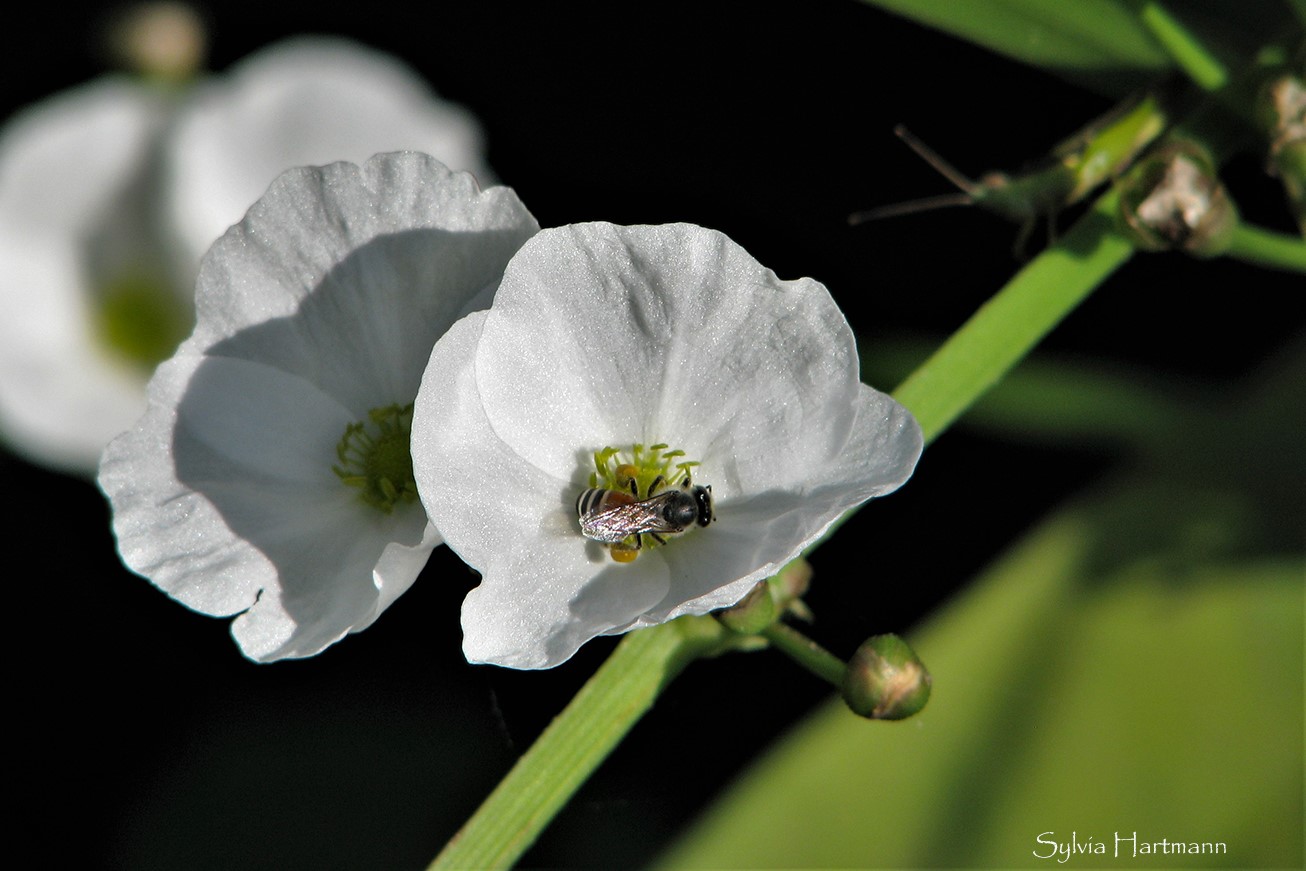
[(790, 585), (751, 614), (885, 680), (1174, 200)]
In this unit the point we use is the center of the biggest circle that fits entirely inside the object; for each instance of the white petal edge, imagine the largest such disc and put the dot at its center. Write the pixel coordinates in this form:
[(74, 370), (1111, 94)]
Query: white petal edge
[(756, 537), (304, 102), (399, 247), (215, 494)]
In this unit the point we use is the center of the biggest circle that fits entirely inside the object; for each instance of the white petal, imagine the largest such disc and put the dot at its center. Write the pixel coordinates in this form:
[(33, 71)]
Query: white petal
[(346, 276), (544, 590), (754, 537), (68, 166), (604, 335), (224, 497), (302, 103), (398, 567), (66, 160)]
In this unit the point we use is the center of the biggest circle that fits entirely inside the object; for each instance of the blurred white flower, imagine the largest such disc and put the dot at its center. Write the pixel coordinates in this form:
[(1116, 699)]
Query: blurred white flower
[(110, 194), (271, 474), (672, 339)]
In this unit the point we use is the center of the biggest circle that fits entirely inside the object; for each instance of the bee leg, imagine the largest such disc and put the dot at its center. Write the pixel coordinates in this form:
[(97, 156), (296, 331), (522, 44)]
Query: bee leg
[(659, 539), (659, 483)]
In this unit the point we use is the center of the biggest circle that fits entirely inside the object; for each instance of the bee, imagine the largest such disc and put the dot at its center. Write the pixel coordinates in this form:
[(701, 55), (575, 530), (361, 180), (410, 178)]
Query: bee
[(613, 516)]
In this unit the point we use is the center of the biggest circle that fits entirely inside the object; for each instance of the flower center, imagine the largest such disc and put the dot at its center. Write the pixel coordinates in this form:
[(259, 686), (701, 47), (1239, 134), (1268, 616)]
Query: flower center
[(376, 457), (139, 319), (641, 497)]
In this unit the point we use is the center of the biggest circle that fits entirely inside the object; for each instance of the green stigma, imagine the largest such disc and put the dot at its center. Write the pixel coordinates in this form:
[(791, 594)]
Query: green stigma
[(376, 457), (139, 319)]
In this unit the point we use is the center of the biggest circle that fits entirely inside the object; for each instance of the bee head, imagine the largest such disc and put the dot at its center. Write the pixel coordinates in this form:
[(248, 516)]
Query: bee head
[(681, 510), (703, 505)]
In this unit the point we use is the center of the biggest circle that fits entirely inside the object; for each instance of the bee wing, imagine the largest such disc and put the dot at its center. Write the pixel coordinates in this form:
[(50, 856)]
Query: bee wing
[(614, 524)]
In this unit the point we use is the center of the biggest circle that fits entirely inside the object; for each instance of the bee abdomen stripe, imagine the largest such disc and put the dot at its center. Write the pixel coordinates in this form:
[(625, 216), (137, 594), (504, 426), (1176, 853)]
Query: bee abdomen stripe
[(589, 500)]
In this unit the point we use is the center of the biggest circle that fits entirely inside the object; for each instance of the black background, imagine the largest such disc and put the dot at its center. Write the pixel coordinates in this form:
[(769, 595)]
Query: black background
[(144, 739)]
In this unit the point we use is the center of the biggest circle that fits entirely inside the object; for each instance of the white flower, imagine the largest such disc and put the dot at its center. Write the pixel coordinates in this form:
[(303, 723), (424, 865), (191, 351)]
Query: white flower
[(77, 259), (607, 337), (318, 311), (111, 193)]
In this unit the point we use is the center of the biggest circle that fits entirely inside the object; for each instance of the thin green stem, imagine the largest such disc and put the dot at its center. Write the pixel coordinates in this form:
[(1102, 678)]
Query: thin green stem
[(1187, 51), (806, 652), (577, 740), (1268, 248), (1006, 327)]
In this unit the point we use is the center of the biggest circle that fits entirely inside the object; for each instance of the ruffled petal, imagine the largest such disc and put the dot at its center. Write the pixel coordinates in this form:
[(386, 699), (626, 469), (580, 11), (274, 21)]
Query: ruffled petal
[(224, 497), (305, 102), (373, 263), (544, 590), (604, 335)]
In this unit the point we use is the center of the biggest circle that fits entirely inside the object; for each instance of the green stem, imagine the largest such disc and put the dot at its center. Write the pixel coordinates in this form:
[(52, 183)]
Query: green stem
[(1011, 323), (806, 652), (577, 740), (1187, 51), (1268, 248)]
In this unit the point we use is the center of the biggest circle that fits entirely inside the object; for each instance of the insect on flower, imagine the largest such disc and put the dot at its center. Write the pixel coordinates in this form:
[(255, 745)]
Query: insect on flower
[(614, 516)]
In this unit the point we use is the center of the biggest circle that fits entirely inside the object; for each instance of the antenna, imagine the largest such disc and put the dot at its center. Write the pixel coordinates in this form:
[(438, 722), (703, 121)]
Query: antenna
[(930, 156), (964, 196)]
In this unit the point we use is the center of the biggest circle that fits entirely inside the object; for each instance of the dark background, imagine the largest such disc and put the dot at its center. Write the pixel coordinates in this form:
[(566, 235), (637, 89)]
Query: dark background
[(144, 740)]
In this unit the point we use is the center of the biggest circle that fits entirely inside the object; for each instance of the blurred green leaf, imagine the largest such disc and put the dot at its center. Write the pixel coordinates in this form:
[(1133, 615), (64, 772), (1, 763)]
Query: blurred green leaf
[(1097, 43), (1133, 665), (1099, 35), (1065, 700)]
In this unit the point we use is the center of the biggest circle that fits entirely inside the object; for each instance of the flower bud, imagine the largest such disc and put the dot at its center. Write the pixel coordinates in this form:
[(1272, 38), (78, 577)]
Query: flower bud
[(161, 40), (790, 585), (1281, 113), (886, 680), (1173, 199), (753, 613)]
